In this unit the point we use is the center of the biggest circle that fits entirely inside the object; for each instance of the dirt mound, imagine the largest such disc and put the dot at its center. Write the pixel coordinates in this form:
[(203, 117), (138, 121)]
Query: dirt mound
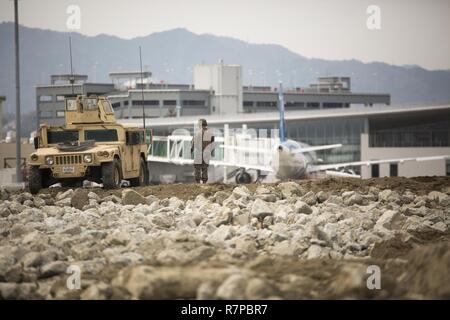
[(425, 273), (419, 185)]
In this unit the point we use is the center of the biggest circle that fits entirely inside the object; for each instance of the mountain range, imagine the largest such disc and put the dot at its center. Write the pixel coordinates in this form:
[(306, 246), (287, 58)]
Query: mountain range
[(171, 55)]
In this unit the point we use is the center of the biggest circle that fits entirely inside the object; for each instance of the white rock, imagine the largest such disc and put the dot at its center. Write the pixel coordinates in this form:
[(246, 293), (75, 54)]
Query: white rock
[(162, 220), (260, 209), (322, 196), (38, 202), (65, 202), (439, 197), (53, 268), (242, 219), (315, 252), (286, 248), (389, 196), (118, 237), (241, 192), (206, 291), (440, 226), (223, 217), (176, 203), (302, 207), (233, 288), (93, 196), (355, 198), (391, 220), (412, 211), (218, 237), (131, 197), (259, 289), (64, 195), (289, 189), (309, 198)]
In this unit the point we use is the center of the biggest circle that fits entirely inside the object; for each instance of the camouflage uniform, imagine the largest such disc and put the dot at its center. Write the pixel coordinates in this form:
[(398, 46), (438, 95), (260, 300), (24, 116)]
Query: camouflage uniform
[(202, 140), (201, 172)]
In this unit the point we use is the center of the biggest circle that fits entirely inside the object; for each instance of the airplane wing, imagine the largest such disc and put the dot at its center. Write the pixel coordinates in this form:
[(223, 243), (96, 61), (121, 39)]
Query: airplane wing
[(247, 149), (270, 151), (316, 148), (189, 138), (215, 163), (313, 168), (333, 173), (179, 161)]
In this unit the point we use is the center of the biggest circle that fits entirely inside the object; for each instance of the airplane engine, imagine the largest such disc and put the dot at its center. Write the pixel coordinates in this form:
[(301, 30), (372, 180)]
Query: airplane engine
[(243, 177)]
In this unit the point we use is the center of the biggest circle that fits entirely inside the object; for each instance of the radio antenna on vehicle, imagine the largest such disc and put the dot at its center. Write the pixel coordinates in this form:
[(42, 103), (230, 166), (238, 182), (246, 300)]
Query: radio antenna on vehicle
[(72, 79), (142, 88)]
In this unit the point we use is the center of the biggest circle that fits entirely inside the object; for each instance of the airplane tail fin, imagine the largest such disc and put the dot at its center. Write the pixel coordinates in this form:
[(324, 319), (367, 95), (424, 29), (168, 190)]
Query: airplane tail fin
[(281, 111)]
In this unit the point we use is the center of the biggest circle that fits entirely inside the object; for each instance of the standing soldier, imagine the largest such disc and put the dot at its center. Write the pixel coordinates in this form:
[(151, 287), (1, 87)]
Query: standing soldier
[(201, 146)]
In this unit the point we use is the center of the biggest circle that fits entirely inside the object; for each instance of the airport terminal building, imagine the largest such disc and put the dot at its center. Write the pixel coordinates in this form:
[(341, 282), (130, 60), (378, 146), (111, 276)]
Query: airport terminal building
[(326, 112), (366, 134)]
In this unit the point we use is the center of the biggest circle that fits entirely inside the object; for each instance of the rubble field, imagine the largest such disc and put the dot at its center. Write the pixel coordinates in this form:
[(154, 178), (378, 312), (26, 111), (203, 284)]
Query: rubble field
[(312, 239)]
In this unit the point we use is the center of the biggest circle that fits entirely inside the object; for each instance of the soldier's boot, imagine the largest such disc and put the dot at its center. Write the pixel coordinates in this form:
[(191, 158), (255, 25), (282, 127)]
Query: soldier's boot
[(197, 173)]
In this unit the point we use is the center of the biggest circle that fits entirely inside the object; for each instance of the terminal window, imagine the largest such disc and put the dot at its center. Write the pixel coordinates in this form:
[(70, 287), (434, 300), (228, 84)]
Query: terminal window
[(329, 105), (146, 102), (45, 98), (393, 169), (194, 103), (266, 104), (46, 114), (313, 105), (295, 104), (375, 170), (170, 103), (423, 131)]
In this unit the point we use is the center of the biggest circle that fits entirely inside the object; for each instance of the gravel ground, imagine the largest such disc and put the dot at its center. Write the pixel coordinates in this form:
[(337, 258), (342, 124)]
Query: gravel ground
[(291, 240)]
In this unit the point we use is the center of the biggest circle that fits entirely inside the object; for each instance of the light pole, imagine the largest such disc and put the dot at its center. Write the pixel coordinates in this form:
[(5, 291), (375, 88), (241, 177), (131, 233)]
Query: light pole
[(18, 129)]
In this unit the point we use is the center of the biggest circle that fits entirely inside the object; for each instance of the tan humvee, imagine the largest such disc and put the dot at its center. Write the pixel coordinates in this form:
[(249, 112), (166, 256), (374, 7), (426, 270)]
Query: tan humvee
[(90, 146)]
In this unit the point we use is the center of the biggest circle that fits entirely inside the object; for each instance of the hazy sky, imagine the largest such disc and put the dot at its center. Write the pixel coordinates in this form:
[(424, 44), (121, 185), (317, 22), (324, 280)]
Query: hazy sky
[(412, 31)]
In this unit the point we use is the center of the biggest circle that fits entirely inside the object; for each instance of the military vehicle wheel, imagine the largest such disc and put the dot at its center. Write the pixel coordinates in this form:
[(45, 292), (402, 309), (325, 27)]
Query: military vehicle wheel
[(35, 179), (111, 175), (142, 180)]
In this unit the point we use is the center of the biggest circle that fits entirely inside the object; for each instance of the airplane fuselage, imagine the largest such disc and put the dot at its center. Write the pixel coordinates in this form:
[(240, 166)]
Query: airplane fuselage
[(289, 164)]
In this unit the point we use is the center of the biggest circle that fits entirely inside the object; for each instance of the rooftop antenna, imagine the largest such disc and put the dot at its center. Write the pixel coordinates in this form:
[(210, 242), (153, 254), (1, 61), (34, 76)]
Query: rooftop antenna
[(142, 88), (72, 79)]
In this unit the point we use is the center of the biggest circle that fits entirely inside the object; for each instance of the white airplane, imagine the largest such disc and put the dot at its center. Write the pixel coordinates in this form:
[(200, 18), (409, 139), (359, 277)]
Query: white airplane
[(277, 156)]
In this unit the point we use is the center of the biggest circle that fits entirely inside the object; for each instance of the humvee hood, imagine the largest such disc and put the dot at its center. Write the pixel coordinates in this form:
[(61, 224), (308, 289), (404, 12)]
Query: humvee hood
[(55, 151)]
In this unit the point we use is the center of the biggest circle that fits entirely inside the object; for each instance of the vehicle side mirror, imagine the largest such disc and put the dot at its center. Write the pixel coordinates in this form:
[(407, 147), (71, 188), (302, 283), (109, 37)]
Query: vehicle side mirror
[(36, 142)]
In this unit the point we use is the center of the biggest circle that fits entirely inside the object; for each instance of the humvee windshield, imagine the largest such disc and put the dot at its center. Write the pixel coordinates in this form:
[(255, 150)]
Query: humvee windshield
[(62, 136), (89, 104), (107, 107), (101, 135), (71, 105)]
